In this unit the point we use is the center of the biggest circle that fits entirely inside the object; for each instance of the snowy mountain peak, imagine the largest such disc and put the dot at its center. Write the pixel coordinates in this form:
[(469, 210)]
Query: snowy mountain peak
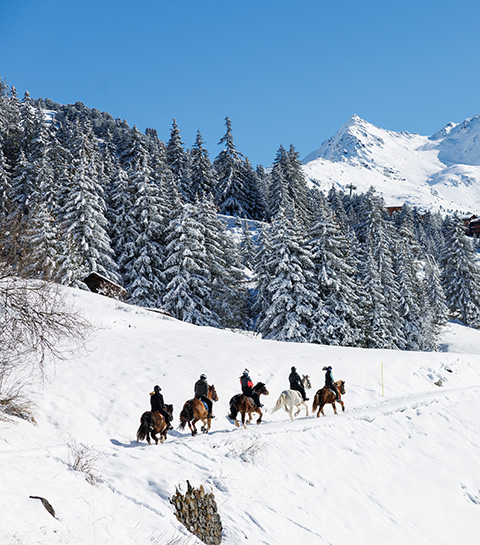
[(439, 172), (355, 141)]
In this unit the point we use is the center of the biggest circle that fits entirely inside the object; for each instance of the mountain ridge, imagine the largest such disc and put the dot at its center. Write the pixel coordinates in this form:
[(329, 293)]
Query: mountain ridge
[(438, 172)]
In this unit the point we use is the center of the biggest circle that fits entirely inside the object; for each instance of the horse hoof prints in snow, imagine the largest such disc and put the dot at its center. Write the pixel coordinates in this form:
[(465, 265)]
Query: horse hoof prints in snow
[(244, 405), (326, 395), (292, 399), (151, 423)]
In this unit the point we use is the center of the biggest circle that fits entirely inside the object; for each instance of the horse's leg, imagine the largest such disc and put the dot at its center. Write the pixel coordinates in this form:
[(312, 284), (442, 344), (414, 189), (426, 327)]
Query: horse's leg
[(194, 426), (342, 404), (334, 408), (320, 410), (305, 404), (243, 419), (207, 422), (260, 417), (148, 438)]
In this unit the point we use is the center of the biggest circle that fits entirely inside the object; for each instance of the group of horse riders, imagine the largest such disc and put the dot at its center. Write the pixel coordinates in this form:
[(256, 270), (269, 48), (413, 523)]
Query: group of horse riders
[(201, 392)]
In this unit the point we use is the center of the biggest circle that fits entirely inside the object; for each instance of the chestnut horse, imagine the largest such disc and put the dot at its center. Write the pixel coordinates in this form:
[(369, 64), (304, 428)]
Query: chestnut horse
[(195, 410), (326, 395), (151, 423), (240, 403)]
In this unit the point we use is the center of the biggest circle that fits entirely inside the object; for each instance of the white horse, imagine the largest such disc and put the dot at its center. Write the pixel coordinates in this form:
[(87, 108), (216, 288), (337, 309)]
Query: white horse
[(291, 399)]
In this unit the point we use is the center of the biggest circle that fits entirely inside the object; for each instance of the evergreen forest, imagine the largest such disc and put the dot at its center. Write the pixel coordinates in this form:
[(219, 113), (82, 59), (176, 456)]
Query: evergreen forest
[(82, 192)]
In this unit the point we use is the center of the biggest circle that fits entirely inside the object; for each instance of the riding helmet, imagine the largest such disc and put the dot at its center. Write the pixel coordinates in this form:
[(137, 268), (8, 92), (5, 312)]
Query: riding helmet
[(294, 369), (156, 389), (203, 376), (329, 368), (245, 372)]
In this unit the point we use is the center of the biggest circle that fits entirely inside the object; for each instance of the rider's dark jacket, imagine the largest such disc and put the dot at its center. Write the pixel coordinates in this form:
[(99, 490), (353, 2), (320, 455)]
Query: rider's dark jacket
[(156, 402), (294, 379), (201, 388)]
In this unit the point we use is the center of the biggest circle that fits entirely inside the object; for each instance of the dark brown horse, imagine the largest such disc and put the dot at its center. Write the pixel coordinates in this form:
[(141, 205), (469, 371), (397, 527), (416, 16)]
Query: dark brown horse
[(195, 410), (326, 395), (244, 405), (151, 423)]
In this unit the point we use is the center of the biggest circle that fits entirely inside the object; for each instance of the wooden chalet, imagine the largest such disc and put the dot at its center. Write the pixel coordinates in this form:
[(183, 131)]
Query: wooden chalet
[(104, 286)]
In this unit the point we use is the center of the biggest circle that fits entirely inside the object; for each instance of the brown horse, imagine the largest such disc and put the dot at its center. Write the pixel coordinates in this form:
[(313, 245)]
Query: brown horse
[(151, 423), (326, 395), (240, 403), (195, 410)]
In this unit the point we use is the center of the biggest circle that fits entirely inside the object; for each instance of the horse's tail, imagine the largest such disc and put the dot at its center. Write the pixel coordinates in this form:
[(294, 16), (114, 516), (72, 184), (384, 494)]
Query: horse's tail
[(233, 408), (145, 424), (186, 415), (316, 402), (280, 402)]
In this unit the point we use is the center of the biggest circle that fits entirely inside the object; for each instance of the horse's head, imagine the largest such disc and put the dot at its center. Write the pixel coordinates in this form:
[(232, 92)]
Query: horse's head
[(212, 393), (306, 382), (340, 384), (261, 389)]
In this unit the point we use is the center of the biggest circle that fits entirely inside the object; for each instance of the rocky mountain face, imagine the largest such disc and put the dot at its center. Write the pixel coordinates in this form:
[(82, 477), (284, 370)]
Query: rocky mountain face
[(440, 172)]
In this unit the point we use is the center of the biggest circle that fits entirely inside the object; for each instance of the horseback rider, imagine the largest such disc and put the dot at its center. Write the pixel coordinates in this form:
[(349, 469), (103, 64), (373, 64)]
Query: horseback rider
[(296, 383), (201, 393), (158, 405), (247, 388), (329, 380)]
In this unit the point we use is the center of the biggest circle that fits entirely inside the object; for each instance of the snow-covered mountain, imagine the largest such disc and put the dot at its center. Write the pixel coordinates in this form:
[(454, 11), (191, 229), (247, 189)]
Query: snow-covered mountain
[(440, 172), (399, 466)]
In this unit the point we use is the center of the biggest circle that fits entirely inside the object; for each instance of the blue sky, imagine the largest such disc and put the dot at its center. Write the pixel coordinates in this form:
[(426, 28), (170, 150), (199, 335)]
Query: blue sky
[(284, 72)]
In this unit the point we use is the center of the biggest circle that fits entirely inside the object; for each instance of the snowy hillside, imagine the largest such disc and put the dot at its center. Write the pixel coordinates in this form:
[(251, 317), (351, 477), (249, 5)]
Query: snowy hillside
[(398, 468), (439, 172)]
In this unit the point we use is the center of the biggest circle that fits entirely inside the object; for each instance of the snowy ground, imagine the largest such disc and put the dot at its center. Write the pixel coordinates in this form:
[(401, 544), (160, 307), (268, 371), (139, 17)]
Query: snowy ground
[(399, 468)]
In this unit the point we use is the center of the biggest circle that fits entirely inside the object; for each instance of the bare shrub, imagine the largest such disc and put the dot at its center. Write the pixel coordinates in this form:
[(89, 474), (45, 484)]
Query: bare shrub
[(248, 450), (14, 403), (83, 458), (36, 323)]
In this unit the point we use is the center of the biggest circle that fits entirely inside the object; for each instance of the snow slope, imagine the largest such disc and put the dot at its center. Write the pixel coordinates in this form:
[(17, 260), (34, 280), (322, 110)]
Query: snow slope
[(395, 468), (440, 172)]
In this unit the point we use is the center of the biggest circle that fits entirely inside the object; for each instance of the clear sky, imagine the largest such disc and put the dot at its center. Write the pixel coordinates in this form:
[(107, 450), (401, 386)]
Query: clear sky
[(285, 72)]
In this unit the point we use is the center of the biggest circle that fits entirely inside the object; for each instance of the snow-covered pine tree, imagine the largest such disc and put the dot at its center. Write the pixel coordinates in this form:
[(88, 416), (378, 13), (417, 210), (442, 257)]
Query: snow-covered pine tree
[(376, 236), (83, 212), (231, 192), (435, 304), (297, 185), (43, 242), (142, 258), (247, 246), (229, 294), (5, 187), (255, 200), (290, 290), (178, 163), (279, 196), (410, 295), (338, 315), (187, 271), (460, 273), (336, 204), (203, 177)]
